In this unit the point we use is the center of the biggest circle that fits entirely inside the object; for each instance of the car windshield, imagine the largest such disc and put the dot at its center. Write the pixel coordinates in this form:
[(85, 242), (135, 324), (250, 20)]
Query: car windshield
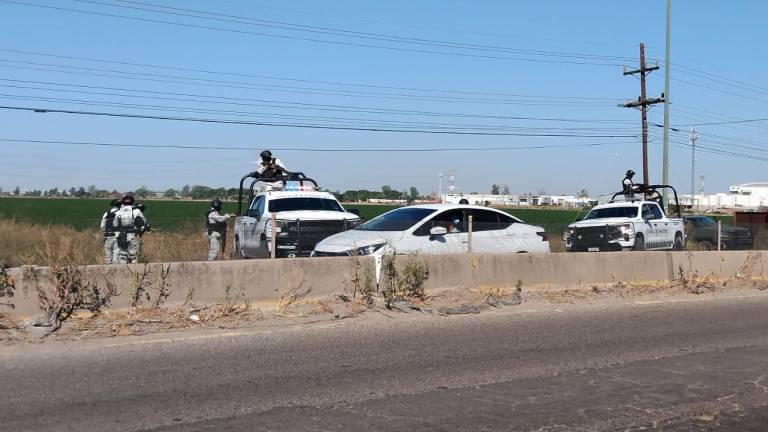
[(396, 220), (612, 212), (702, 221), (303, 203)]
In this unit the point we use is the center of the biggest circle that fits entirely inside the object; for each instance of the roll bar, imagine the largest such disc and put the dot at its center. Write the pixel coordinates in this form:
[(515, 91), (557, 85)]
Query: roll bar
[(647, 190), (257, 177)]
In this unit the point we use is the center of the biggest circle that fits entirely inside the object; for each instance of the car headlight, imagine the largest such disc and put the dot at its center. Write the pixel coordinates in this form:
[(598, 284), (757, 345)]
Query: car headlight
[(367, 250)]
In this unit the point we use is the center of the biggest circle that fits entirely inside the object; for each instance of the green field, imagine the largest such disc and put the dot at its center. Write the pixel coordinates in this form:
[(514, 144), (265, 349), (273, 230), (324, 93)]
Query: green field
[(177, 215)]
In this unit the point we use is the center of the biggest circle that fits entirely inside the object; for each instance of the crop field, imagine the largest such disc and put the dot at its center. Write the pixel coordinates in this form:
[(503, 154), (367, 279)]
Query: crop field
[(181, 215)]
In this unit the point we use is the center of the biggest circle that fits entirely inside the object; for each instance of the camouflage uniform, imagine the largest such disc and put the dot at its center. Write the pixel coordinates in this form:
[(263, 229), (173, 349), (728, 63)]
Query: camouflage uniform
[(217, 233), (110, 236), (128, 222)]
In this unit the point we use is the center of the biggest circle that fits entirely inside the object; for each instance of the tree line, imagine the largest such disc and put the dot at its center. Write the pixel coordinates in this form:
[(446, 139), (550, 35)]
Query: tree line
[(204, 192)]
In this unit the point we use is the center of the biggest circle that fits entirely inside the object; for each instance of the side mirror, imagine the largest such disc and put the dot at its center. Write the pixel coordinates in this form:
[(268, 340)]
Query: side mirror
[(438, 231), (354, 211)]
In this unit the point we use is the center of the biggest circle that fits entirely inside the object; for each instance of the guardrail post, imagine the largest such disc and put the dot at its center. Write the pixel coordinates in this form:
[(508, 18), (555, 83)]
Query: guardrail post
[(273, 240), (719, 233), (469, 235)]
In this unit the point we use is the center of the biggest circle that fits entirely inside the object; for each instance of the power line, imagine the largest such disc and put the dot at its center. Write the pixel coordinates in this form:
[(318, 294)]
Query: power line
[(306, 39), (297, 125), (341, 32), (337, 83), (312, 150), (172, 79), (322, 119)]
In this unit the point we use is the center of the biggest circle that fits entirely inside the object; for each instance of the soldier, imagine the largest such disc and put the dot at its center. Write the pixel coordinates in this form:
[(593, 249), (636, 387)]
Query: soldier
[(628, 185), (143, 229), (217, 229), (128, 222), (107, 227), (271, 167)]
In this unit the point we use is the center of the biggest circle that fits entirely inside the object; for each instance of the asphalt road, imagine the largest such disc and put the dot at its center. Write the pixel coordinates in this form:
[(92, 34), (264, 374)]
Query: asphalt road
[(680, 366)]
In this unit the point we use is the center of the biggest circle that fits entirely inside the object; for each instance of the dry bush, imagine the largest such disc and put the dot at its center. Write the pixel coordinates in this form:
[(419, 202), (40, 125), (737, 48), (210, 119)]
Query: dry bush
[(493, 293), (407, 283)]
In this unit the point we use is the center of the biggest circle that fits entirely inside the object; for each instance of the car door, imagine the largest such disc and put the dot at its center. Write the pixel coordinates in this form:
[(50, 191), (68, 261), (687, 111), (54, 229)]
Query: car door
[(251, 234), (455, 241), (488, 234)]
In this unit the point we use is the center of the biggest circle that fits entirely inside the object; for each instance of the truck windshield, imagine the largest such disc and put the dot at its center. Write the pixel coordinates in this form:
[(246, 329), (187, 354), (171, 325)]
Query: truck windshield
[(612, 212), (303, 203), (396, 220)]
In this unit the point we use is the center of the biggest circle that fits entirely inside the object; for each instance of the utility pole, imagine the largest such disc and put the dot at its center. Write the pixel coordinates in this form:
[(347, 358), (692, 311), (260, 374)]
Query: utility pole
[(643, 103), (665, 168), (440, 187), (693, 136)]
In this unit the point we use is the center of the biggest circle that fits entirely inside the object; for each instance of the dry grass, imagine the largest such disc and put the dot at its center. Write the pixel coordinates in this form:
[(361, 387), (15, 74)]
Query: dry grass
[(290, 299), (24, 243)]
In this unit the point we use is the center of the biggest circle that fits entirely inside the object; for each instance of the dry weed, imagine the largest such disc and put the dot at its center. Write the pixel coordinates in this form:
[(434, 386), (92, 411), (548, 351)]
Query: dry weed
[(291, 298)]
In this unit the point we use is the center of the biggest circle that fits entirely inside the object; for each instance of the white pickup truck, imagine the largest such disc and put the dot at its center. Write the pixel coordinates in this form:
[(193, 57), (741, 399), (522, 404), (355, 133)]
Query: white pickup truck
[(303, 216), (625, 225)]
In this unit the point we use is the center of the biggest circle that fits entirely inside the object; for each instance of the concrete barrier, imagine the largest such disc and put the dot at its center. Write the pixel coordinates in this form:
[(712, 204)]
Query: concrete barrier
[(263, 281)]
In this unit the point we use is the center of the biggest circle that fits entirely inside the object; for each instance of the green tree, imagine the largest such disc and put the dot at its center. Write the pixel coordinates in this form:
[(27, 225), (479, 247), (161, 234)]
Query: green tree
[(185, 191), (495, 189), (171, 193), (17, 191), (143, 192), (583, 194)]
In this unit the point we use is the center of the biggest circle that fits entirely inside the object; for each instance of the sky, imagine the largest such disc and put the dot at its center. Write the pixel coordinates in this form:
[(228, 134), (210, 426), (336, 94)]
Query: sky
[(527, 91)]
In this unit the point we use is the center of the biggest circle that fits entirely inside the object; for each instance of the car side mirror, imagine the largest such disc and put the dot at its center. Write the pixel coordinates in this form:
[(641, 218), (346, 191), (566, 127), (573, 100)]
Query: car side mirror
[(438, 231), (355, 212)]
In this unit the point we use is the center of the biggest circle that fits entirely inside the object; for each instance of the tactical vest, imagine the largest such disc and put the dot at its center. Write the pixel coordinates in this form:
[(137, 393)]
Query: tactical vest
[(124, 219), (219, 227), (109, 228)]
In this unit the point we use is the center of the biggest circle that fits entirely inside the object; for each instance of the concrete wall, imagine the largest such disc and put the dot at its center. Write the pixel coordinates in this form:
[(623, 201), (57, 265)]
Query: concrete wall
[(262, 281)]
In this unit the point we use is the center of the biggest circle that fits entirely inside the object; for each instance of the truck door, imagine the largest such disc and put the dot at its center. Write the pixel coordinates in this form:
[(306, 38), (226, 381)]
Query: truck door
[(665, 234), (251, 235), (655, 237)]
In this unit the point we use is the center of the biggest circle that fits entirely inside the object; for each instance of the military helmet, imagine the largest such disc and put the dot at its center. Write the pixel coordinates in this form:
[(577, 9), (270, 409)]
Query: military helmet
[(630, 173), (216, 204), (127, 200), (266, 155)]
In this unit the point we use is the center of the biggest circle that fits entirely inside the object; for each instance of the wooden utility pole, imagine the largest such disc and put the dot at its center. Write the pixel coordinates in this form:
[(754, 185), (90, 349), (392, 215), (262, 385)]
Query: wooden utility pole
[(643, 103)]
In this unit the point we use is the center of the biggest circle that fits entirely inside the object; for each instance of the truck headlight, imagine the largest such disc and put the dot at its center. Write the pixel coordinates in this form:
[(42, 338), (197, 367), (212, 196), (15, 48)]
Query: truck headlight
[(626, 231)]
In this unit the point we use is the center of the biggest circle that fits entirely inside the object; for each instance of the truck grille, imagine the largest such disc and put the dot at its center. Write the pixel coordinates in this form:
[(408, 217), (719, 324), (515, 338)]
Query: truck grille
[(306, 234), (590, 236)]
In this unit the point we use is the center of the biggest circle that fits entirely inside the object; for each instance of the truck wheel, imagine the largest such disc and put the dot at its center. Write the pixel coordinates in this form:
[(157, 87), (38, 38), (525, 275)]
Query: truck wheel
[(678, 244), (706, 246), (639, 243)]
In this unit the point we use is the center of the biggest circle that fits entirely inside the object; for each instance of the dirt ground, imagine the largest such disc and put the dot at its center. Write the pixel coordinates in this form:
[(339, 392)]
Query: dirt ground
[(440, 304)]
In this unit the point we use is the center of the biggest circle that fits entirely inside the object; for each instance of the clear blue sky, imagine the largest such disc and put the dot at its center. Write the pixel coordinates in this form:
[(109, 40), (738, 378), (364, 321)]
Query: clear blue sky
[(721, 38)]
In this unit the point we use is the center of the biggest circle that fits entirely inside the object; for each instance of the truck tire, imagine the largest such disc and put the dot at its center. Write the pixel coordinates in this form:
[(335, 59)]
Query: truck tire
[(678, 244), (706, 245), (639, 243)]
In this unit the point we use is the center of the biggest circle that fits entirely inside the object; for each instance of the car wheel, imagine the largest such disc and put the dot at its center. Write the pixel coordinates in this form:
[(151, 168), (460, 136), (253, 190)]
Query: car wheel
[(706, 246), (678, 244), (639, 243)]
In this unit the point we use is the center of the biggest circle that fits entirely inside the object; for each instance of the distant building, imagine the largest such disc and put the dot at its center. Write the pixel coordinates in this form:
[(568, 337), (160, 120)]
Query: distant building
[(747, 196), (514, 200)]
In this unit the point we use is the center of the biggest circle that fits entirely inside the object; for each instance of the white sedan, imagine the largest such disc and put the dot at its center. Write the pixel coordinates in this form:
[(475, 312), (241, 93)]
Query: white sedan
[(436, 228)]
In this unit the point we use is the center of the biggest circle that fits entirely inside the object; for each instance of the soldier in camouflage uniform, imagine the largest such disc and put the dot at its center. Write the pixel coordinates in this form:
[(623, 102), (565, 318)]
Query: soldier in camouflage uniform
[(110, 235), (129, 222), (217, 229)]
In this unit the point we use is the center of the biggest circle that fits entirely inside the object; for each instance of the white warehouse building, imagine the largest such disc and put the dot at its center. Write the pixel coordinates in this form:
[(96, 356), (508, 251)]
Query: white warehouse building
[(747, 196)]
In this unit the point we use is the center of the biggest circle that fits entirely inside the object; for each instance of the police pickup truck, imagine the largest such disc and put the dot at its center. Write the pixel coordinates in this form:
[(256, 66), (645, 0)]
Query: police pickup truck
[(635, 222), (293, 211)]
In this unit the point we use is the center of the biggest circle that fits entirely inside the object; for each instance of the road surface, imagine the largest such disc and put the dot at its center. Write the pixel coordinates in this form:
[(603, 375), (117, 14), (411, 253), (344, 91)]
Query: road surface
[(699, 364)]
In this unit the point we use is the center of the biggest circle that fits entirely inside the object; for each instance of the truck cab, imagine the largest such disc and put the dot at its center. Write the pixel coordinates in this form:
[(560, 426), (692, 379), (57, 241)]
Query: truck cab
[(628, 223), (293, 211)]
